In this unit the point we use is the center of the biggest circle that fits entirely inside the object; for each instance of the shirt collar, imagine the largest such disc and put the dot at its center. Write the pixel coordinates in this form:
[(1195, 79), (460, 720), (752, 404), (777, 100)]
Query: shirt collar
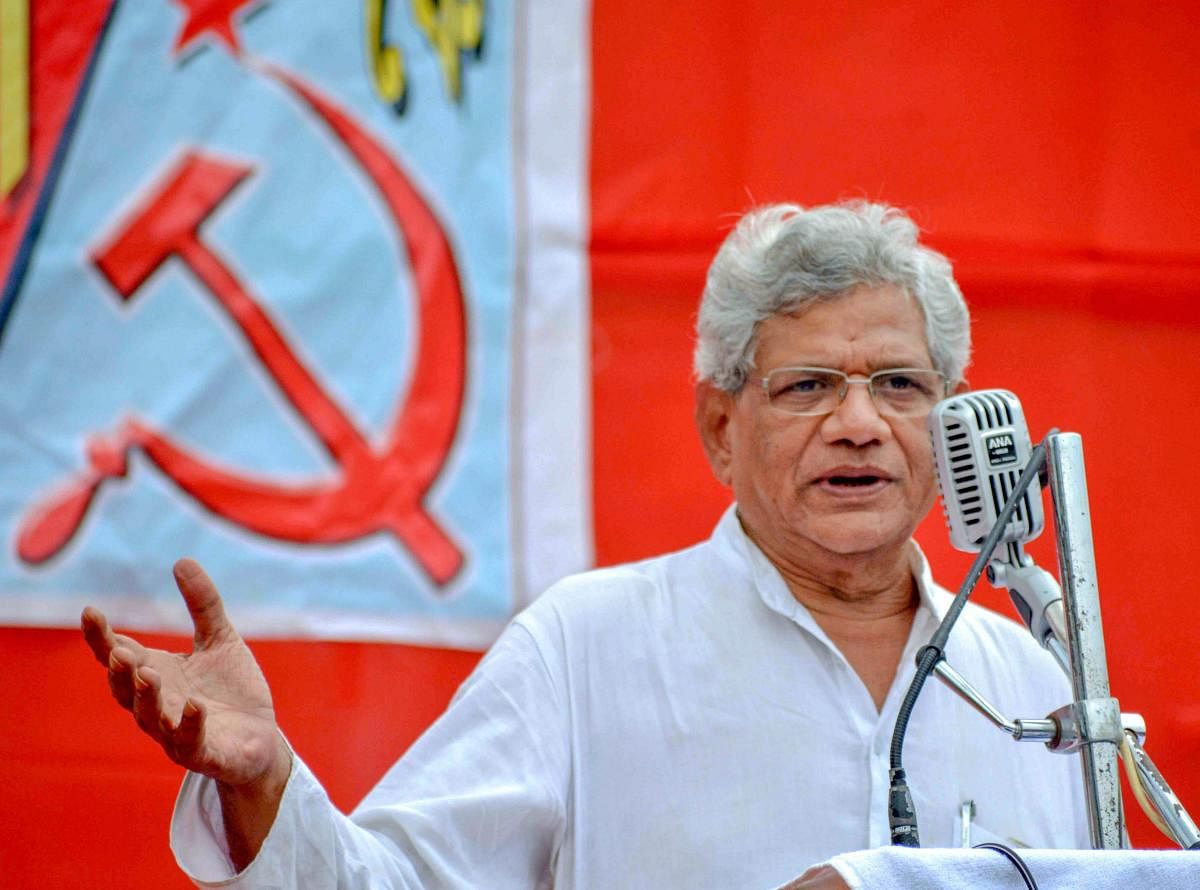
[(730, 537)]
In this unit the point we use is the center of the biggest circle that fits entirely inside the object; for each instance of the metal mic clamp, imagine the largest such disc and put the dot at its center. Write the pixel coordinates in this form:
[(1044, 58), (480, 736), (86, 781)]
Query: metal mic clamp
[(1038, 600)]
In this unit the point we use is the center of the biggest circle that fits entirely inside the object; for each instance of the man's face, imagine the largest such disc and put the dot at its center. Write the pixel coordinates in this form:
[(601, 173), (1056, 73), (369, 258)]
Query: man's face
[(850, 482)]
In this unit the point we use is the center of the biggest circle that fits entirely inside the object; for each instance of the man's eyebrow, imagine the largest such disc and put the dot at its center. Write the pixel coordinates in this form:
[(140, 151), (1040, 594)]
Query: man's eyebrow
[(910, 361)]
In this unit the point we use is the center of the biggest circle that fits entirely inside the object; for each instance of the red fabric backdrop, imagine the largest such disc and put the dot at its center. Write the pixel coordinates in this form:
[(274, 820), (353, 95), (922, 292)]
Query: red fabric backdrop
[(1049, 150)]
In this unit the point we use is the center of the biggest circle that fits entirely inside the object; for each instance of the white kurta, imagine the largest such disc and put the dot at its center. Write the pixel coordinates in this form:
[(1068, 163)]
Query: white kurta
[(678, 722)]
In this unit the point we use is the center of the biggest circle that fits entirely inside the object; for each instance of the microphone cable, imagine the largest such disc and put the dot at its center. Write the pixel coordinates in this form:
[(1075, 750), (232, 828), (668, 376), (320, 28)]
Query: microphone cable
[(902, 815), (1017, 862)]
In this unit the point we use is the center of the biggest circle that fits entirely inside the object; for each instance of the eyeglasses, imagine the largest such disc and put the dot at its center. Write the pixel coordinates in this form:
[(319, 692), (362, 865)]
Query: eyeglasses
[(901, 392)]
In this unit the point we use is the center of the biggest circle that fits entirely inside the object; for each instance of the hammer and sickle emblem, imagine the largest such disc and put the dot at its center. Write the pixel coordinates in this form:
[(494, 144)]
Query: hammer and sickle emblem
[(370, 490)]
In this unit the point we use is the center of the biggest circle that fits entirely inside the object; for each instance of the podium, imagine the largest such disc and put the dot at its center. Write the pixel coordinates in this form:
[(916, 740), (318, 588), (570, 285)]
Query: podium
[(886, 868)]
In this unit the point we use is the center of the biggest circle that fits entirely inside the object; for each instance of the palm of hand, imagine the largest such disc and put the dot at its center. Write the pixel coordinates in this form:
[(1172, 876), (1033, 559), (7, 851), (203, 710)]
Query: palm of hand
[(210, 710)]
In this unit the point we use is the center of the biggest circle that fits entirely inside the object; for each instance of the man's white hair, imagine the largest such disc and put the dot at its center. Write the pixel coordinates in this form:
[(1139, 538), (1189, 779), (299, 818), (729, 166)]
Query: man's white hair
[(783, 257)]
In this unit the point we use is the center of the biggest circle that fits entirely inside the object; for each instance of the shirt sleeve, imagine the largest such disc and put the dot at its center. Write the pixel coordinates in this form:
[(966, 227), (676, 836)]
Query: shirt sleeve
[(478, 801)]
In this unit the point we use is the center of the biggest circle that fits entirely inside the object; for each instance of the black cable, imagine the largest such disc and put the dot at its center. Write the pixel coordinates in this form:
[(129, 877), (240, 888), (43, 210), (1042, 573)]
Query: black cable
[(902, 815), (1018, 863)]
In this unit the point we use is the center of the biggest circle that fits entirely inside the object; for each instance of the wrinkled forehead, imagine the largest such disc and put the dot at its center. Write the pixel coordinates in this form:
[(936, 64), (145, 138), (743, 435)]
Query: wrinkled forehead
[(865, 329)]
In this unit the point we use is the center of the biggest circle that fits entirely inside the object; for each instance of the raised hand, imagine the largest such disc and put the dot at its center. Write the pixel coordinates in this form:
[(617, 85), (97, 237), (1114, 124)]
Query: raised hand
[(210, 710)]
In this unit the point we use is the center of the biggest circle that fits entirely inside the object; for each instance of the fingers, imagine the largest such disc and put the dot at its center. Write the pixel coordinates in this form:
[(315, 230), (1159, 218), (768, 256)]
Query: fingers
[(182, 740), (121, 665), (118, 659), (147, 702), (203, 602), (122, 656), (97, 634), (139, 689), (101, 638), (158, 706)]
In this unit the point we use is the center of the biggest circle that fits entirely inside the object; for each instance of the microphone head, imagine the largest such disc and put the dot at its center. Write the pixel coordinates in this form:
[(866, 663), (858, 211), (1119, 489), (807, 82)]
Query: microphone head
[(980, 446)]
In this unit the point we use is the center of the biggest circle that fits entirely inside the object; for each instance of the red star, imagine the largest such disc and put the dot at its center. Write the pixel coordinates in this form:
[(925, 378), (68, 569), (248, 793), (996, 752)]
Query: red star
[(210, 16)]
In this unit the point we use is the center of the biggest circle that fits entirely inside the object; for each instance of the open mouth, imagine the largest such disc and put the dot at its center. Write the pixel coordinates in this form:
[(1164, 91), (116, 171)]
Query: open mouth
[(854, 481)]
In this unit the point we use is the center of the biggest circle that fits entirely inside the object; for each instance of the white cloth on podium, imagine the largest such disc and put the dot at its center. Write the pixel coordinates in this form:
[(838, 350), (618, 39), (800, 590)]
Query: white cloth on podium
[(678, 722), (933, 869)]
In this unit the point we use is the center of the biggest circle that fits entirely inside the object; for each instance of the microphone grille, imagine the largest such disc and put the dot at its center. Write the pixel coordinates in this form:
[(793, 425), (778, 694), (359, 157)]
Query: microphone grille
[(980, 445)]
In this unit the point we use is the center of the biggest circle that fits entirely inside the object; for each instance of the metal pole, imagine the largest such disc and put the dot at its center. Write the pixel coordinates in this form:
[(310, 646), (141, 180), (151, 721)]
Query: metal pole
[(1096, 711)]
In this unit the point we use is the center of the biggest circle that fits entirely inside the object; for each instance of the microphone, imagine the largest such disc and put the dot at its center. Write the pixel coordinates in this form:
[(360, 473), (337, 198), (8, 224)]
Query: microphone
[(980, 445)]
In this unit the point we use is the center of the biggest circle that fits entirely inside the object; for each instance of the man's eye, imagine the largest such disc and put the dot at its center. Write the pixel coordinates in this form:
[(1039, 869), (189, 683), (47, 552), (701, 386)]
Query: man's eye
[(908, 386), (903, 383), (801, 386)]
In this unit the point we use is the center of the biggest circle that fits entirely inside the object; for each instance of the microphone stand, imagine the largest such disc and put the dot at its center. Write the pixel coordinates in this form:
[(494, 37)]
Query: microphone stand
[(1097, 714), (1092, 724)]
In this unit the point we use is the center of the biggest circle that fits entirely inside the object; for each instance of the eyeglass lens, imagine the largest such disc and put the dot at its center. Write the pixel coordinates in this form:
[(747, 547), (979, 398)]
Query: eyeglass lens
[(905, 392)]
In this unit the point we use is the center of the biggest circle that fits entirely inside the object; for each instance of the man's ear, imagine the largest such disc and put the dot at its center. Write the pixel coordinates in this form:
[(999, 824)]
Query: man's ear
[(961, 387), (714, 411)]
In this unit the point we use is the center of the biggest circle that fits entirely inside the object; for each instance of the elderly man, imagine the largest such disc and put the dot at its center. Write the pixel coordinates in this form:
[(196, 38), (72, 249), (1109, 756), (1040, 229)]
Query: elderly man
[(716, 717)]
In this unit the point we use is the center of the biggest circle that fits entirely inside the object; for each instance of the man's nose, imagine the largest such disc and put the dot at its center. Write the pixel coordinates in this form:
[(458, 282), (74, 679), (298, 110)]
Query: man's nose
[(856, 419)]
